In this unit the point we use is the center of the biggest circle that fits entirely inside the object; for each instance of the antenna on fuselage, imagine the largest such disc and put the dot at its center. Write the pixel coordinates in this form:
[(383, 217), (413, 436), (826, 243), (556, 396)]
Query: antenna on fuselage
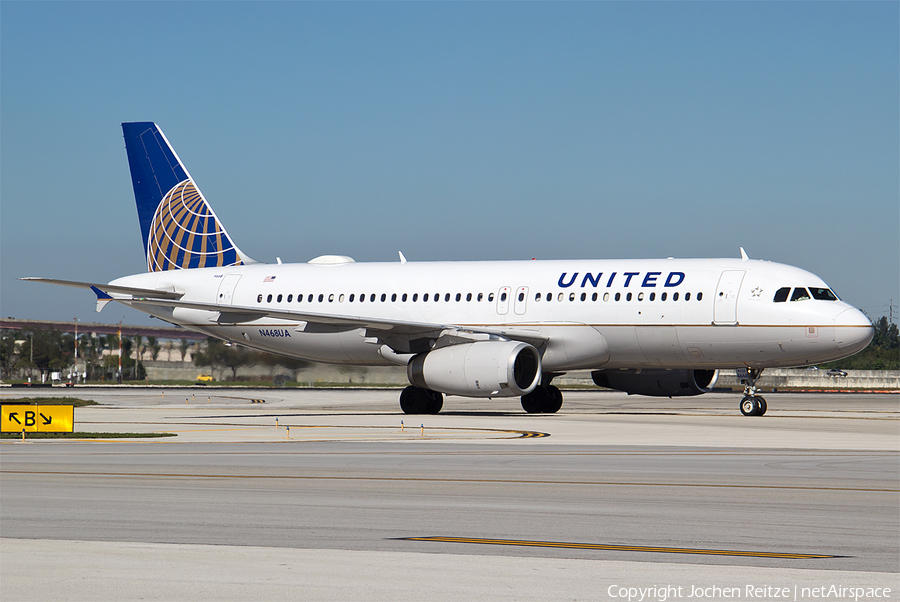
[(744, 256)]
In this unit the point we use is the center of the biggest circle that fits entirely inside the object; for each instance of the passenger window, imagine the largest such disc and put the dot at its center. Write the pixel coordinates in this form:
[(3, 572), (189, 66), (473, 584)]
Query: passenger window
[(571, 296), (822, 294), (321, 297), (503, 296), (447, 297), (537, 297), (290, 298), (403, 298), (458, 297), (372, 298), (269, 299), (549, 296), (340, 299), (687, 296), (628, 297), (605, 297), (674, 296), (800, 294), (393, 297), (781, 294), (468, 296), (437, 297), (490, 297), (663, 297), (352, 298), (278, 299), (561, 297), (331, 298), (362, 297), (653, 296), (699, 296), (383, 297), (415, 296), (310, 298), (640, 296), (583, 296), (521, 296), (259, 299), (480, 296), (425, 297), (618, 296)]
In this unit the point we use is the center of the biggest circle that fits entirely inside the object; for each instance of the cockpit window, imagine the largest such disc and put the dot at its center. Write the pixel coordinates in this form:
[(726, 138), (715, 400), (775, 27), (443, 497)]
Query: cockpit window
[(822, 294), (781, 294), (800, 294)]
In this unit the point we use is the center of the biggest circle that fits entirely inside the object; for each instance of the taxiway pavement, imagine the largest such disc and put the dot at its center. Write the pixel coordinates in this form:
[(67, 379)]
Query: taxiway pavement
[(479, 502)]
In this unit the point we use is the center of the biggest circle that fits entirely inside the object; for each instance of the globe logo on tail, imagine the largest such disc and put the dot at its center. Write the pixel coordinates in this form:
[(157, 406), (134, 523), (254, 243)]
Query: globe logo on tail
[(185, 233)]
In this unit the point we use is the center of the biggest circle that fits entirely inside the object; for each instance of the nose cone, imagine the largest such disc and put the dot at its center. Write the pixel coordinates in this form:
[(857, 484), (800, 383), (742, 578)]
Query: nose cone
[(852, 331)]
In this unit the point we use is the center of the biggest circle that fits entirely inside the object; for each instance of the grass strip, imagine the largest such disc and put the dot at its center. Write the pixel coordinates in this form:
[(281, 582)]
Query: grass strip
[(85, 435), (50, 401)]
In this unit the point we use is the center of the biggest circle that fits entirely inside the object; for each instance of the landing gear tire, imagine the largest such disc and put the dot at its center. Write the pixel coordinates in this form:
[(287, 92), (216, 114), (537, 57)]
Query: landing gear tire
[(749, 406), (555, 401), (753, 405), (534, 401), (435, 403), (543, 400), (762, 405), (416, 400)]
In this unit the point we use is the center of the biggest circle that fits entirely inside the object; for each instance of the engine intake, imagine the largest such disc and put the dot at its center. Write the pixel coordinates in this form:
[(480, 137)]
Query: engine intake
[(480, 369), (657, 383)]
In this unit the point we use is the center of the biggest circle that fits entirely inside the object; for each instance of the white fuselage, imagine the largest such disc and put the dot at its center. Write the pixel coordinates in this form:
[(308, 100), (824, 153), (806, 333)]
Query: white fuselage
[(659, 313)]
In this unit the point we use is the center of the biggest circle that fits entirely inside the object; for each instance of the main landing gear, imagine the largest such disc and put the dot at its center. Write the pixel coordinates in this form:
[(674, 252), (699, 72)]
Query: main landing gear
[(416, 400), (545, 399), (753, 404)]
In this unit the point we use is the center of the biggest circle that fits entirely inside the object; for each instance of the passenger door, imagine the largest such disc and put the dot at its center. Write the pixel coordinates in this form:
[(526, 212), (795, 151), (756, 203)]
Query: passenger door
[(226, 289), (725, 308)]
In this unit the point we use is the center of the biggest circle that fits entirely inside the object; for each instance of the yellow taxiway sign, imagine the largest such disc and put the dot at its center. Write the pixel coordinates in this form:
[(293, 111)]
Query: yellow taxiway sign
[(37, 419)]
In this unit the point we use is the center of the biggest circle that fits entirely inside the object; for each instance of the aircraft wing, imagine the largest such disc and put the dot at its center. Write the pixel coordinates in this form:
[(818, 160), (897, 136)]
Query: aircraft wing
[(387, 330), (233, 314)]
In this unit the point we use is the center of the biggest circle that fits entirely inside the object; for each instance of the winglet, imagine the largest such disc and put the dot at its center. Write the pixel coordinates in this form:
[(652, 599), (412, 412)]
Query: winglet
[(102, 298), (744, 256)]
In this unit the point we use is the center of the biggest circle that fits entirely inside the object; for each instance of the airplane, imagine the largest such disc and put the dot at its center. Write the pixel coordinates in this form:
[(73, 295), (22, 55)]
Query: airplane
[(484, 329)]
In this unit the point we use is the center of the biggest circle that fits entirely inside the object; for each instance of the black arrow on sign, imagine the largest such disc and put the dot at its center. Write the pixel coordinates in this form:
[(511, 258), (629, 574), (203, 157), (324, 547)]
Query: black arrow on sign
[(12, 416), (47, 419)]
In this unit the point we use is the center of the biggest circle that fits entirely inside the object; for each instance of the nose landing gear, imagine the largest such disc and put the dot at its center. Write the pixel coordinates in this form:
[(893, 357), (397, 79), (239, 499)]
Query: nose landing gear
[(752, 404)]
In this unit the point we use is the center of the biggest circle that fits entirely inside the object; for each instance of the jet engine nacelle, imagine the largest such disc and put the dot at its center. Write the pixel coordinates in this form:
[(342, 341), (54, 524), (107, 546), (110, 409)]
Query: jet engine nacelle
[(481, 369), (657, 383)]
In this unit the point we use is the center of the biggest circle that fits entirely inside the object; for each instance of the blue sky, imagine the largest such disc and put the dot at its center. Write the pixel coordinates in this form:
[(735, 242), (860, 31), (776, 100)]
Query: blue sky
[(457, 131)]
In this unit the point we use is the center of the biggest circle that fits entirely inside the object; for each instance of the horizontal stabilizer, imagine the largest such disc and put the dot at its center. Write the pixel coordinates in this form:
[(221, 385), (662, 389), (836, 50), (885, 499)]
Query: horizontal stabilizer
[(110, 289)]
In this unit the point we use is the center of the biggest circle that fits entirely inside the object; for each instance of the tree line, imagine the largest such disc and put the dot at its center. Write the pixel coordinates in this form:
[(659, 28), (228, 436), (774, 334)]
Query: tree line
[(222, 356), (38, 353)]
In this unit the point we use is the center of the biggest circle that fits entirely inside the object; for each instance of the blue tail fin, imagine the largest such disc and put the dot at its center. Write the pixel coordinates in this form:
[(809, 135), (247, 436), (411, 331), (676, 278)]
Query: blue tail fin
[(179, 227)]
